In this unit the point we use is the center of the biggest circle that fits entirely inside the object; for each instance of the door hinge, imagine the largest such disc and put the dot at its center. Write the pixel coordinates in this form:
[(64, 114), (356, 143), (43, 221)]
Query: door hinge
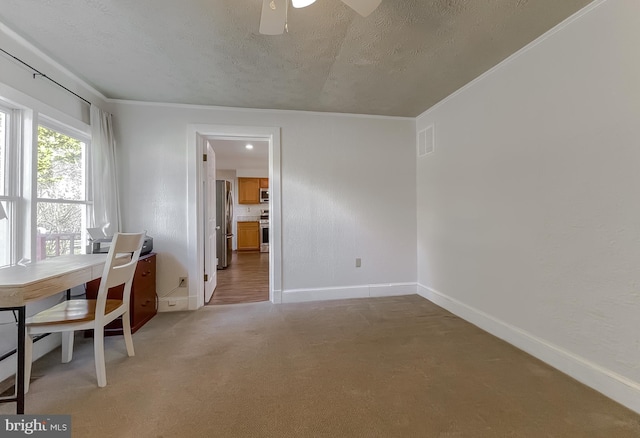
[(206, 277), (204, 157)]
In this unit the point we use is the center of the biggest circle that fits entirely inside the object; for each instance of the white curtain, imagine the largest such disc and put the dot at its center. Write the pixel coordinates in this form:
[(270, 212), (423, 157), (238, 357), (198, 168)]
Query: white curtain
[(106, 205)]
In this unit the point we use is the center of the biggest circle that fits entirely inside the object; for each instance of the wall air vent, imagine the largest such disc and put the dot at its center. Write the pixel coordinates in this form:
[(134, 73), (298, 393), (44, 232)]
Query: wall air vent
[(426, 141)]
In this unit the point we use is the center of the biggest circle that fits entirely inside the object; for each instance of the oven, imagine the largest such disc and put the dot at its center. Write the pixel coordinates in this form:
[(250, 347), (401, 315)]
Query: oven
[(264, 231)]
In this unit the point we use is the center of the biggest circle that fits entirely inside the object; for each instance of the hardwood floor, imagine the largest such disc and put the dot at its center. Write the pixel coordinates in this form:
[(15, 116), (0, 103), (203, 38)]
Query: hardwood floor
[(246, 280)]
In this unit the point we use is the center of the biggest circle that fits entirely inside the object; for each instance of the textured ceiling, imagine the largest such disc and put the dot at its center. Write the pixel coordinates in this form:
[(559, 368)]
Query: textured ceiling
[(400, 60)]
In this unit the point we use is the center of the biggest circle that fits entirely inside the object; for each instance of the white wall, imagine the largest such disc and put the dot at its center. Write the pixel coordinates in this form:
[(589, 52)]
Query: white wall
[(528, 220), (226, 174), (348, 190)]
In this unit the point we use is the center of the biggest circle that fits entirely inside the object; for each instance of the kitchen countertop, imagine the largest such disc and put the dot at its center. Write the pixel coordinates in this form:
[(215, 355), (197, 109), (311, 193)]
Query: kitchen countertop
[(248, 218)]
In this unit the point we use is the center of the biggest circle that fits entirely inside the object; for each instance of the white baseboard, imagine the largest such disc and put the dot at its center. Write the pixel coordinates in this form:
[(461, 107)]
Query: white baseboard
[(176, 300), (615, 386), (277, 296), (193, 303), (393, 289), (340, 293), (173, 304)]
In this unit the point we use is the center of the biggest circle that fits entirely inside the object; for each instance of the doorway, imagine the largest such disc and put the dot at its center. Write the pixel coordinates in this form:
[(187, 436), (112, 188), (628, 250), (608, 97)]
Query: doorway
[(242, 163), (197, 137)]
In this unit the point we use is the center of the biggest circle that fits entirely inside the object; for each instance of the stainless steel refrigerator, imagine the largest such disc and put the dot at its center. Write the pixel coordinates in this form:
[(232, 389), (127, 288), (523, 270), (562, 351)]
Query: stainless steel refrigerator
[(224, 223)]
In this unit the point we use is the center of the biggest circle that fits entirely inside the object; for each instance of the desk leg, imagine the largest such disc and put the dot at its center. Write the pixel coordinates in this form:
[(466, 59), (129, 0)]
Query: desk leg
[(22, 316)]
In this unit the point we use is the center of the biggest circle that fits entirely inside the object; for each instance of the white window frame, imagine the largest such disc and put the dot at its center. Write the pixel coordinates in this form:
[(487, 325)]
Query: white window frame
[(13, 168)]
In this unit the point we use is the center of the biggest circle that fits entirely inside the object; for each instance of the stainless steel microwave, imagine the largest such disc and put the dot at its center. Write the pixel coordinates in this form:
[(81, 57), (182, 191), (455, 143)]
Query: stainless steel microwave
[(264, 195)]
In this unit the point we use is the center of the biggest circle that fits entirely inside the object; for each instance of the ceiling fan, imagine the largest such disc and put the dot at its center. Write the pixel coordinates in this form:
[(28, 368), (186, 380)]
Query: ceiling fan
[(274, 12)]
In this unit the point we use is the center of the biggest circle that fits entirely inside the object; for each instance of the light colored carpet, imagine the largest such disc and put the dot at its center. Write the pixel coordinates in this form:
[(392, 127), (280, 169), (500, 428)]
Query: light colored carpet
[(383, 367)]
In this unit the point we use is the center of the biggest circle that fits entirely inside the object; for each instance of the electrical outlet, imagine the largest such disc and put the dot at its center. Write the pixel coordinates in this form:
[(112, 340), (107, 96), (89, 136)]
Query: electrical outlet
[(182, 282), (358, 262)]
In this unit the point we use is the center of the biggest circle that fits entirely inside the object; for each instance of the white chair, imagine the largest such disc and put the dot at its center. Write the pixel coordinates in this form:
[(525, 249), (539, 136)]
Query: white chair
[(73, 315)]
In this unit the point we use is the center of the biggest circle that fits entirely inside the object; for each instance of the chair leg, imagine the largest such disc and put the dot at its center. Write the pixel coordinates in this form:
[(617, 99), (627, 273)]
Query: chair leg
[(67, 346), (126, 331), (98, 349), (28, 358)]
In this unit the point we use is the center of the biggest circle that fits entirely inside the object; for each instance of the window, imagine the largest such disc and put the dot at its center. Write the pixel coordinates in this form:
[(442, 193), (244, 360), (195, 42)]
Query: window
[(44, 182), (8, 175), (61, 185)]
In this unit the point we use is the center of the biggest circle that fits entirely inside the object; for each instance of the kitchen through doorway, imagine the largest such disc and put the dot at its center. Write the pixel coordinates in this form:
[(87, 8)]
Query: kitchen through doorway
[(242, 219)]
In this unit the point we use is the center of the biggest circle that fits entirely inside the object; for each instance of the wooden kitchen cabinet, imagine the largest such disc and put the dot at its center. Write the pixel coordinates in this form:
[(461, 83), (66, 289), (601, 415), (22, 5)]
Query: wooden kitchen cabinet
[(248, 236), (142, 305), (248, 190), (264, 183)]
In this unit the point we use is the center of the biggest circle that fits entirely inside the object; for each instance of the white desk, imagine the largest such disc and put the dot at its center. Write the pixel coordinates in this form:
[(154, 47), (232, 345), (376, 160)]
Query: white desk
[(20, 285)]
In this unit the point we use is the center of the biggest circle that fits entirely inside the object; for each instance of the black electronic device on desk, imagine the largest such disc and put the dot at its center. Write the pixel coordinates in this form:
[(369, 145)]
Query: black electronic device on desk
[(99, 243)]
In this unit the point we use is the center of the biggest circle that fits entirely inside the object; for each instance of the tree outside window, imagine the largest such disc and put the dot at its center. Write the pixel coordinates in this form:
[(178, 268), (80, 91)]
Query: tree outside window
[(61, 191)]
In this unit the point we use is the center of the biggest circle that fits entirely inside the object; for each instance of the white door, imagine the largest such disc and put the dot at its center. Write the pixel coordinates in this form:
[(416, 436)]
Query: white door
[(209, 210)]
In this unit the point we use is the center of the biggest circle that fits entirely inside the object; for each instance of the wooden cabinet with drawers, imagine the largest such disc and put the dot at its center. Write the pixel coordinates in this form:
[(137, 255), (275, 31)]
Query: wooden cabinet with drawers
[(143, 304), (264, 183), (248, 236)]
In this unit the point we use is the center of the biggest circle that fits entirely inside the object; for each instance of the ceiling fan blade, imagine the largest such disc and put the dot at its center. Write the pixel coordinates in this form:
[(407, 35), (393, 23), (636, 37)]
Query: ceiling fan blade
[(274, 16), (363, 7)]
